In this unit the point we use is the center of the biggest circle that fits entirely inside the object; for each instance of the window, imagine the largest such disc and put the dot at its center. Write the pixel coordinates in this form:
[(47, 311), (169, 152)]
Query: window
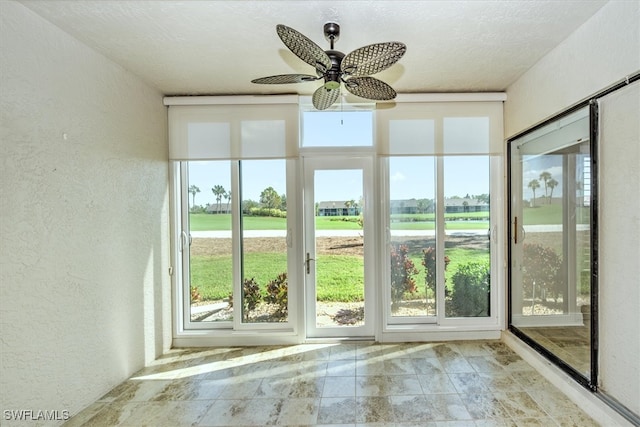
[(467, 244), (439, 178), (348, 128), (251, 216), (233, 169), (215, 292), (210, 252), (412, 225), (263, 185), (439, 248)]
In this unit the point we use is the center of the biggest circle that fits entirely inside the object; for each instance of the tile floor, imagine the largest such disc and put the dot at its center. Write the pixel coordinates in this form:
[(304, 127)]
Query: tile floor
[(480, 383), (569, 343)]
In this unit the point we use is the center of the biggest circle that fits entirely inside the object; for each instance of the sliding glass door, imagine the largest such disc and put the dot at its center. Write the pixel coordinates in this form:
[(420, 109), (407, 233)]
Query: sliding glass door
[(551, 245)]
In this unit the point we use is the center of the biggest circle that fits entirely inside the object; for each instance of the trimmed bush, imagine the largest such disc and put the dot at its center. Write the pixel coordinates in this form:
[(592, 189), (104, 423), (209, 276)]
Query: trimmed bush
[(272, 212), (429, 263), (542, 269), (470, 295)]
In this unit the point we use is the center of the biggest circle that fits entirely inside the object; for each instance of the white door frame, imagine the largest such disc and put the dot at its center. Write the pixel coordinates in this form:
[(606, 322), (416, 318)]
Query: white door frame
[(338, 162)]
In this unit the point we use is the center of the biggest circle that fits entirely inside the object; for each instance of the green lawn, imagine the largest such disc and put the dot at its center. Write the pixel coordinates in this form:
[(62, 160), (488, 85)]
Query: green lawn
[(552, 214), (339, 276), (205, 222)]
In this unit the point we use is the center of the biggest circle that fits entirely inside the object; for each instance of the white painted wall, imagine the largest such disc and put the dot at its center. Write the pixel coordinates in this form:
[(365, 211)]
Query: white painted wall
[(604, 50), (83, 219), (619, 245)]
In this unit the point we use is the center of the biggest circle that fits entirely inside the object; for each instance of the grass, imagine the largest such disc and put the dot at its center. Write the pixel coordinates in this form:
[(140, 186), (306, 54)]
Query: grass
[(552, 214), (339, 277), (206, 222)]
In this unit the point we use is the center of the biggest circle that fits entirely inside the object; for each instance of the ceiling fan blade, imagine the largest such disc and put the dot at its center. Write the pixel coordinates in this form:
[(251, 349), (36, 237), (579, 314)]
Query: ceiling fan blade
[(285, 78), (324, 98), (304, 48), (370, 88), (372, 59)]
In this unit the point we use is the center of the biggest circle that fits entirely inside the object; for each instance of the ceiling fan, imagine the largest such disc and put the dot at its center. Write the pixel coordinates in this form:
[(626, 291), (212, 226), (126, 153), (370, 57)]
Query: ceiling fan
[(335, 67)]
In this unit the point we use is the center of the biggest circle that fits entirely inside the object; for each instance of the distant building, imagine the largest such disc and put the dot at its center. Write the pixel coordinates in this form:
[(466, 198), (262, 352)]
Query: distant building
[(407, 206), (337, 208), (465, 205)]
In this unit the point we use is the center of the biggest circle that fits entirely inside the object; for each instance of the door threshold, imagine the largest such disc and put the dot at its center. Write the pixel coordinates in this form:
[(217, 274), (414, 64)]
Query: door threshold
[(339, 340)]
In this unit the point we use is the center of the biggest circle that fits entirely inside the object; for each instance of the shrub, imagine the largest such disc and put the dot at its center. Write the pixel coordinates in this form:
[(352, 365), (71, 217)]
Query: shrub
[(470, 295), (429, 263), (195, 295), (278, 294), (402, 272), (272, 212), (250, 296), (542, 268)]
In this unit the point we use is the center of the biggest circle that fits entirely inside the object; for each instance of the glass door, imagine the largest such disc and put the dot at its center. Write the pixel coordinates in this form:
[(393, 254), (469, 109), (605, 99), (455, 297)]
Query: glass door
[(338, 247), (551, 245)]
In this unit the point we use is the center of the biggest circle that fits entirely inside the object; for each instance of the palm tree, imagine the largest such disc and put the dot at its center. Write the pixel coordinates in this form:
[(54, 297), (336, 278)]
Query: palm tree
[(545, 177), (193, 189), (533, 185), (349, 204), (552, 183), (218, 191), (227, 196)]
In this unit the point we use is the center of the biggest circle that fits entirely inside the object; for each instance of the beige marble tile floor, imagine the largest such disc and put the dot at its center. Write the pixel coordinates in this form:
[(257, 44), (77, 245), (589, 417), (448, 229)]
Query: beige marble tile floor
[(474, 383)]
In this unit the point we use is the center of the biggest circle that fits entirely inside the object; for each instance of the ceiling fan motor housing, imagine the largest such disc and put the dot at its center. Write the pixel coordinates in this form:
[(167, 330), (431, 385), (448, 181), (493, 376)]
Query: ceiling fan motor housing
[(332, 75)]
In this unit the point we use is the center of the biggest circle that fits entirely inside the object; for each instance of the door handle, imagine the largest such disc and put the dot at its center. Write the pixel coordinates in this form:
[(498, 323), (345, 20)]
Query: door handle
[(308, 263)]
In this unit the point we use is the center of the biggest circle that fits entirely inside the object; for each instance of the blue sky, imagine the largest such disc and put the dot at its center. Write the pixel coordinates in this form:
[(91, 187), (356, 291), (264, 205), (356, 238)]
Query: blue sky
[(410, 177)]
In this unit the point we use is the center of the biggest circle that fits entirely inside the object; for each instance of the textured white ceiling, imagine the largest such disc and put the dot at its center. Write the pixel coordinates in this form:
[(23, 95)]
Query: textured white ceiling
[(217, 47)]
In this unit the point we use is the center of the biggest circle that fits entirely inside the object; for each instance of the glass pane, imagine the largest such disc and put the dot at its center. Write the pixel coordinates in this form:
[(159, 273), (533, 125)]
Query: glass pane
[(551, 275), (412, 228), (339, 281), (211, 266), (467, 260), (264, 241), (348, 129)]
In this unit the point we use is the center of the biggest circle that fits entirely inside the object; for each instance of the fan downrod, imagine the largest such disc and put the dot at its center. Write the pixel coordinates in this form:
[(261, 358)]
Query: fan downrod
[(331, 32)]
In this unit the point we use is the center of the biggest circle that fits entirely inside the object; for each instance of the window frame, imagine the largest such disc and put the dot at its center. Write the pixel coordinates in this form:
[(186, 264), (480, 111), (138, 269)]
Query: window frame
[(182, 307), (420, 104), (495, 321)]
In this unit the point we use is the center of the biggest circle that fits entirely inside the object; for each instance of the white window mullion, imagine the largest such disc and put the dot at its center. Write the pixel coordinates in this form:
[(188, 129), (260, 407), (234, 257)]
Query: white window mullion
[(183, 240), (236, 243), (440, 240), (497, 237)]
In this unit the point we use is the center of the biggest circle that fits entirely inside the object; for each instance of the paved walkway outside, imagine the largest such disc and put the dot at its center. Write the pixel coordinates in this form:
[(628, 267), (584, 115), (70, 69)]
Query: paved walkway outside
[(354, 233)]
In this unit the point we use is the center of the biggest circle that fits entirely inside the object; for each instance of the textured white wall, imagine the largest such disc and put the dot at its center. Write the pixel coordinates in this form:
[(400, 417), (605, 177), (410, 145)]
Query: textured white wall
[(604, 50), (83, 219), (619, 245)]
